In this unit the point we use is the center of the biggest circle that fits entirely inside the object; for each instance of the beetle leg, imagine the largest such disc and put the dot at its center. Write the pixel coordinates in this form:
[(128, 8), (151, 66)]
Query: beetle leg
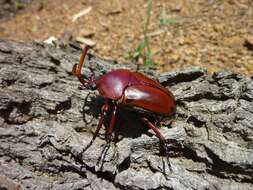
[(157, 132), (76, 70), (112, 123), (104, 110), (160, 136)]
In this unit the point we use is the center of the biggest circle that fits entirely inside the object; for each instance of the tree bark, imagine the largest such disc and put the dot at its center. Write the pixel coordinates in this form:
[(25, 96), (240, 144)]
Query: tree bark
[(46, 123)]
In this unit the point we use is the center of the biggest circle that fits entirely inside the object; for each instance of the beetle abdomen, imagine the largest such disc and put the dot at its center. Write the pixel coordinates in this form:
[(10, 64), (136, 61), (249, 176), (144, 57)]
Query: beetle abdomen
[(149, 98)]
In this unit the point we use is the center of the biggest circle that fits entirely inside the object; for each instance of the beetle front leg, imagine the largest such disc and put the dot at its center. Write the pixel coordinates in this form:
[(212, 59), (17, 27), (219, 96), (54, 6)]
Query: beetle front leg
[(109, 132), (104, 109), (77, 68), (112, 124)]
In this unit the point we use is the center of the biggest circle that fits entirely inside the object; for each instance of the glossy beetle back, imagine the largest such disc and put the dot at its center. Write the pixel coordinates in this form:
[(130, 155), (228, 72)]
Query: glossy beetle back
[(112, 84), (137, 90), (149, 98)]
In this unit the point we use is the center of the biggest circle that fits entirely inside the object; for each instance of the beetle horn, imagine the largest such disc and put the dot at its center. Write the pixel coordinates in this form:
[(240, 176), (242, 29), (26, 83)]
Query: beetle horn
[(76, 70)]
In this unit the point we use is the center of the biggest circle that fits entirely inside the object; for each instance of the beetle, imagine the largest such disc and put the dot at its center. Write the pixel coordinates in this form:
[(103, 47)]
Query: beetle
[(125, 88)]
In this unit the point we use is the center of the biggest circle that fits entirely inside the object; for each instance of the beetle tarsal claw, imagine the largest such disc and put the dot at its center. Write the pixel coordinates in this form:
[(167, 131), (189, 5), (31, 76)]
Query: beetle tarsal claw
[(165, 150)]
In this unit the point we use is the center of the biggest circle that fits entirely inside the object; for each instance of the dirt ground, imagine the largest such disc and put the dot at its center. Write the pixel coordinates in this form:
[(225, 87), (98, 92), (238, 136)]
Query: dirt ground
[(216, 34)]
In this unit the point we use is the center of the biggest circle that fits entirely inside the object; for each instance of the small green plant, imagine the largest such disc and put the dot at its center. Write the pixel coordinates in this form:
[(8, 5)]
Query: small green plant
[(143, 49), (18, 4), (34, 29)]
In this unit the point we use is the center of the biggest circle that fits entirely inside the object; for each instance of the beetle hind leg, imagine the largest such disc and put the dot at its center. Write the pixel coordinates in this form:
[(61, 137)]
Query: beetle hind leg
[(163, 146), (157, 132)]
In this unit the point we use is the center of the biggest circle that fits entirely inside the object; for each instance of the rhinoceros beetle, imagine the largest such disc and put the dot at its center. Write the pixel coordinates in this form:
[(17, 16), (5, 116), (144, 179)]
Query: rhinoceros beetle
[(122, 87)]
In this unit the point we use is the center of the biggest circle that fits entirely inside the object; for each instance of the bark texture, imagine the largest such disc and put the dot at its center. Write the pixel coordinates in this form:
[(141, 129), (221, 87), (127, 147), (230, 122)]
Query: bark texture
[(46, 123)]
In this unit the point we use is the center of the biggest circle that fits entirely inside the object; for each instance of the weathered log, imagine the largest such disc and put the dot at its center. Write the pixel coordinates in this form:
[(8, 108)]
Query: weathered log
[(46, 123)]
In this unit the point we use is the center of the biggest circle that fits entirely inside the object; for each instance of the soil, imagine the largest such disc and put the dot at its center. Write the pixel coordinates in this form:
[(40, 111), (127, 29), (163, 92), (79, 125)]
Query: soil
[(214, 34)]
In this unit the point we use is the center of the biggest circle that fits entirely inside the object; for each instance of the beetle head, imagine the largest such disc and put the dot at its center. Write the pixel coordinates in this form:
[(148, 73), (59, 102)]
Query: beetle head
[(76, 70)]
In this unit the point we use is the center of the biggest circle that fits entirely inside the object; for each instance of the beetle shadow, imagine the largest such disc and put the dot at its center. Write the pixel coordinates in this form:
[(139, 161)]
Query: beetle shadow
[(128, 123)]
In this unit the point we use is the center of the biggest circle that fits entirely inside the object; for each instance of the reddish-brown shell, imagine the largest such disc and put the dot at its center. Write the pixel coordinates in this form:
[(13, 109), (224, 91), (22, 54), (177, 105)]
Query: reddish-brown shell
[(135, 89), (112, 84)]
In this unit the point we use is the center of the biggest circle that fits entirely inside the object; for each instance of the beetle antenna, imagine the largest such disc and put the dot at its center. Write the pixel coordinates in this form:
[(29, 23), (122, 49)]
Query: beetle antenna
[(76, 70)]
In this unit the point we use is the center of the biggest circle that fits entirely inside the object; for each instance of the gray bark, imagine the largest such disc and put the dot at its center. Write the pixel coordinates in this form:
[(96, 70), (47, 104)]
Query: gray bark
[(46, 123)]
